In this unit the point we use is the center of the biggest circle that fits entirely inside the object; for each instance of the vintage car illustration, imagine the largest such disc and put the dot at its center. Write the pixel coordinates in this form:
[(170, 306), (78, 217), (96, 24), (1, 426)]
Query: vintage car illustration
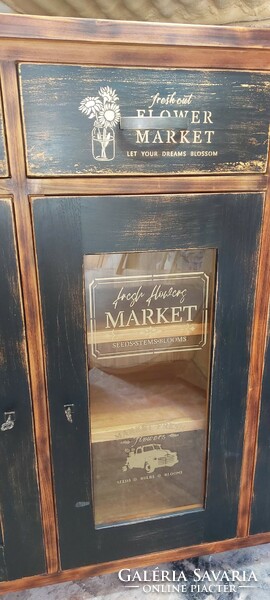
[(150, 457)]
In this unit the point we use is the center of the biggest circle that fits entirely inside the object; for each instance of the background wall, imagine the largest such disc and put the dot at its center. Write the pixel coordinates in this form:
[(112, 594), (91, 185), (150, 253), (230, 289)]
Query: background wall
[(211, 12)]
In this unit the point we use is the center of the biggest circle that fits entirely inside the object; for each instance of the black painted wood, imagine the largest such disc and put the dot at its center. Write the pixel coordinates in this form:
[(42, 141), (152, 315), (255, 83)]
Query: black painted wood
[(4, 170), (66, 229), (260, 514), (3, 571), (225, 120), (19, 498)]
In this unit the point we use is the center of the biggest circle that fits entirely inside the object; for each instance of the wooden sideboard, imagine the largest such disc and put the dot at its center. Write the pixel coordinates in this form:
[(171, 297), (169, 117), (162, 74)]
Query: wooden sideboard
[(135, 285)]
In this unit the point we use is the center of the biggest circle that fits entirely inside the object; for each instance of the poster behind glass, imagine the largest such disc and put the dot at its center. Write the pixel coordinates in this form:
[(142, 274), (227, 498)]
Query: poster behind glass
[(149, 336)]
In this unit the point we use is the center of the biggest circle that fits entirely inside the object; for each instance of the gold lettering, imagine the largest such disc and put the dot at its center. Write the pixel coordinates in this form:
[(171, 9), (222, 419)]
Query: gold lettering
[(195, 116), (208, 136), (189, 309), (207, 116), (114, 323), (132, 317), (160, 315), (142, 136), (197, 139), (157, 139), (183, 137), (175, 314), (170, 137), (147, 314), (165, 113)]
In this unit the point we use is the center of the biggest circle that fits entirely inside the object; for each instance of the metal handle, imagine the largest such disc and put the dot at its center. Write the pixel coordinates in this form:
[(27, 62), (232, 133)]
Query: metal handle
[(9, 421), (69, 409), (153, 123)]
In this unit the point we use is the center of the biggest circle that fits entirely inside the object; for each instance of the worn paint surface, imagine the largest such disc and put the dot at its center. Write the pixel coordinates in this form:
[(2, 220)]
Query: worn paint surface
[(223, 120), (260, 515), (19, 498), (66, 229), (4, 171), (3, 570)]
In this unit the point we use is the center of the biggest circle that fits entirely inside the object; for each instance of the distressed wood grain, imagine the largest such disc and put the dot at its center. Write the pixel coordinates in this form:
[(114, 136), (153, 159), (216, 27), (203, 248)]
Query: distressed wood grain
[(73, 29), (151, 185), (145, 560), (260, 512), (223, 121), (258, 365), (4, 170), (94, 53), (20, 510), (31, 309)]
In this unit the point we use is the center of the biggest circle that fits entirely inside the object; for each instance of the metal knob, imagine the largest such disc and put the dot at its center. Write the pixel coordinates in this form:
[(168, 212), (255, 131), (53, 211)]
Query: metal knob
[(9, 421), (69, 408)]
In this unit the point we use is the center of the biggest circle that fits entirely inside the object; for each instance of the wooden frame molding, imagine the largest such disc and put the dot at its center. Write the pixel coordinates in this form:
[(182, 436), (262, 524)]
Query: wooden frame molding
[(257, 356), (136, 32), (137, 185), (31, 307), (147, 560)]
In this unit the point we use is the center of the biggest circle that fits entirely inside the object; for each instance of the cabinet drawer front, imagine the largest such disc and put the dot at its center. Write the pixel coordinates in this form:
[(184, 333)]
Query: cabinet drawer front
[(69, 231), (115, 121), (19, 497)]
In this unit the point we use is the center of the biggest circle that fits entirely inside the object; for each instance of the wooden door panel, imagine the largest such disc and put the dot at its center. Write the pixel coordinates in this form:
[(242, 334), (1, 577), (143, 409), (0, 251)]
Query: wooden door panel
[(67, 229)]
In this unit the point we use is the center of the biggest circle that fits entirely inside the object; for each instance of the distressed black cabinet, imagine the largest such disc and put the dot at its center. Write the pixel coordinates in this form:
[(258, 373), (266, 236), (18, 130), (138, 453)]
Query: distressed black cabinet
[(22, 552), (134, 259)]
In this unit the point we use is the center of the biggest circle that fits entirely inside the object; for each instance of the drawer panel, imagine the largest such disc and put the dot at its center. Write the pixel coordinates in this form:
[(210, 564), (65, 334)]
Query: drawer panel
[(82, 120)]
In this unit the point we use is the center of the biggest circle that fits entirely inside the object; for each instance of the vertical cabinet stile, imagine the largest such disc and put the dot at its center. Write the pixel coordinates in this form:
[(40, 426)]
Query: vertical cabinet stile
[(20, 505), (12, 113)]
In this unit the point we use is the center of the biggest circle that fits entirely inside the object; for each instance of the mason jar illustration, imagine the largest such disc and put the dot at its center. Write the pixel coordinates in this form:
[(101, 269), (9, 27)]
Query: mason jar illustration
[(103, 143), (106, 114)]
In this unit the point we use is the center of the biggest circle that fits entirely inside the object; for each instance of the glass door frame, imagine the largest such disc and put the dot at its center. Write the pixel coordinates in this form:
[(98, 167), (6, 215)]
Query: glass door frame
[(66, 229)]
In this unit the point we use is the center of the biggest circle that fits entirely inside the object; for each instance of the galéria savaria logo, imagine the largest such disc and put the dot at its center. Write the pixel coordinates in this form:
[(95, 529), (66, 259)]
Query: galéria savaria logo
[(197, 581), (105, 111)]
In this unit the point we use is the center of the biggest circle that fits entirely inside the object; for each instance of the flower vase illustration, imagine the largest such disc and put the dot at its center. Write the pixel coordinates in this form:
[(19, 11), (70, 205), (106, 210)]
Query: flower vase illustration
[(106, 112), (103, 143)]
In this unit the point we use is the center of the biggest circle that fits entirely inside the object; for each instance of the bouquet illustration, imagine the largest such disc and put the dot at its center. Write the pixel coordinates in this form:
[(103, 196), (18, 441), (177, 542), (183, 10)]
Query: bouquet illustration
[(106, 112)]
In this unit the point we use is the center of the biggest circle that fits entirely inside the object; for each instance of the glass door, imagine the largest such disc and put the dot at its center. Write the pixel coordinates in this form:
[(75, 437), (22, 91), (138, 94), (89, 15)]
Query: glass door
[(147, 336)]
